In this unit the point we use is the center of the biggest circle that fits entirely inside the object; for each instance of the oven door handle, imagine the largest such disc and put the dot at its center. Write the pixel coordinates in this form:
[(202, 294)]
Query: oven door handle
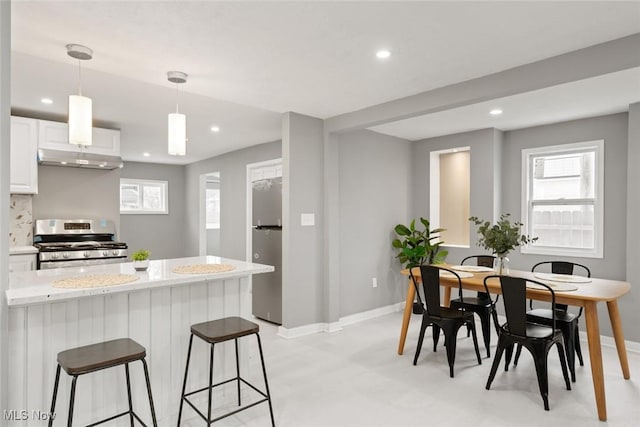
[(47, 265)]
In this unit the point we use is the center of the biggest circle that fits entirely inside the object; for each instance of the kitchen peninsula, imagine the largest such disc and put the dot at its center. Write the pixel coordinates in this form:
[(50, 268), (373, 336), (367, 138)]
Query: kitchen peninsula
[(156, 309)]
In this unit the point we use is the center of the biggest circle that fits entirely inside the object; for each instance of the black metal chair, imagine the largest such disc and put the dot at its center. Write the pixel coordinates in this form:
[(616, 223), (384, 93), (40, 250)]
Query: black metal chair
[(536, 338), (480, 304), (448, 319), (96, 357), (566, 321)]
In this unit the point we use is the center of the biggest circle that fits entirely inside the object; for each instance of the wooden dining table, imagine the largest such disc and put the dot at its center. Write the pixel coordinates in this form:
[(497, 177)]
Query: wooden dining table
[(586, 295)]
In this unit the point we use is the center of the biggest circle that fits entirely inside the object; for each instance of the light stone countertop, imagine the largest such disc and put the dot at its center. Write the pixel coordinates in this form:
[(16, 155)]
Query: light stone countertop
[(21, 250), (35, 287)]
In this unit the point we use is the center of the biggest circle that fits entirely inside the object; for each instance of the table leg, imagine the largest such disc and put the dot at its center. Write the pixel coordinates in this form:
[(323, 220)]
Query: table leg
[(618, 335), (408, 306), (446, 301), (595, 357)]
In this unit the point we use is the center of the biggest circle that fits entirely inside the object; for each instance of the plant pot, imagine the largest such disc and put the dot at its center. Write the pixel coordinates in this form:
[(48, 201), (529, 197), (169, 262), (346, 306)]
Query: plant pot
[(141, 265)]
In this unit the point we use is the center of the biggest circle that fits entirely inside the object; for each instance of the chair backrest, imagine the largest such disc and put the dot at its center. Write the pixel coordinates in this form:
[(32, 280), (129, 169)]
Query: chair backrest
[(514, 297), (562, 267), (481, 260), (431, 287)]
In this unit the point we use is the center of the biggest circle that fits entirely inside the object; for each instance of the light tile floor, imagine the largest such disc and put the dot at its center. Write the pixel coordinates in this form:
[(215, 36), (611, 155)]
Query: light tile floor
[(355, 378)]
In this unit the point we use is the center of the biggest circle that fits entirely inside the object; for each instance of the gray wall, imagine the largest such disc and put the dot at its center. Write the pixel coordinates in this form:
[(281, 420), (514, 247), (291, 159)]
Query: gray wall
[(485, 160), (374, 196), (302, 247), (233, 197), (630, 303), (69, 193), (613, 129), (163, 235), (496, 187)]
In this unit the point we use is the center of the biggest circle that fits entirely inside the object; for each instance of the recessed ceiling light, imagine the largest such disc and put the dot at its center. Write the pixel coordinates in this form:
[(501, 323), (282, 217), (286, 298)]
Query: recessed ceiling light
[(146, 154), (215, 129), (383, 54), (46, 101), (495, 112)]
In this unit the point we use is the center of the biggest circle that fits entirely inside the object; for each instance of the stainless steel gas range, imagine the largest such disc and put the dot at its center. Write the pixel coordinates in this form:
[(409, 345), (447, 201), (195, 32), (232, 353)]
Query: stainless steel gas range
[(77, 242)]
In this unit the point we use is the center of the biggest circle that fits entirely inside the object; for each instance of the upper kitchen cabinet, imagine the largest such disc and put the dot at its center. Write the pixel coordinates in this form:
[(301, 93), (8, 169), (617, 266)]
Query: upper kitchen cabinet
[(55, 136), (24, 156)]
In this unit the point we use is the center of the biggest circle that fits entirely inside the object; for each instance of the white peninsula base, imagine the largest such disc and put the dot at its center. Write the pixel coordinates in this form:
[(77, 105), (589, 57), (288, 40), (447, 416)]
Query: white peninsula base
[(156, 311)]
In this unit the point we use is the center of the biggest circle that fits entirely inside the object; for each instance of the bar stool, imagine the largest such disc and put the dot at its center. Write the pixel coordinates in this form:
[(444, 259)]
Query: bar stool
[(215, 332), (95, 357)]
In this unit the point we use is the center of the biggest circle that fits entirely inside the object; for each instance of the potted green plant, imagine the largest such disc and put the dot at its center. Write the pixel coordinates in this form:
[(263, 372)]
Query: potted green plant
[(501, 238), (417, 247), (140, 259)]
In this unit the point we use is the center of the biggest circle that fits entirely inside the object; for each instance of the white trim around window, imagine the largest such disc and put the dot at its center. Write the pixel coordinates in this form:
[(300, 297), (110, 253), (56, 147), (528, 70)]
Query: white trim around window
[(569, 222), (143, 196)]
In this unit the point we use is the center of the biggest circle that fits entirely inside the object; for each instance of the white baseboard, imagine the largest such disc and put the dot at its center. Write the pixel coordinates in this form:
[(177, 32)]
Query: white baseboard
[(315, 328), (631, 346)]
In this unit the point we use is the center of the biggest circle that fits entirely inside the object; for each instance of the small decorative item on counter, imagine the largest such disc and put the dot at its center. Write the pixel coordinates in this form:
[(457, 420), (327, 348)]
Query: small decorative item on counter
[(140, 259), (501, 238)]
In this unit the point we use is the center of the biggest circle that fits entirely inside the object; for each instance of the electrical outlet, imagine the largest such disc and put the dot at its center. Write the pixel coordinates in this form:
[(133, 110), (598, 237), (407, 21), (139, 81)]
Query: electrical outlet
[(374, 282)]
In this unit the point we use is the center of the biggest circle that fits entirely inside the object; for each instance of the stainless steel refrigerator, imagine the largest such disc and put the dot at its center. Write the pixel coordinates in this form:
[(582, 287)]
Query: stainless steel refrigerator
[(267, 248)]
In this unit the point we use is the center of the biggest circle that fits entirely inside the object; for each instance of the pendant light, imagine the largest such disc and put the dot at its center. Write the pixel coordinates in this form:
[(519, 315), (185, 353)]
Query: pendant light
[(177, 121), (80, 114)]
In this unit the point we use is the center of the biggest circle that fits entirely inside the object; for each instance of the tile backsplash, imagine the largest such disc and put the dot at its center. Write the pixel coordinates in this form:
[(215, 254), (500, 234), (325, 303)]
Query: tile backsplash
[(21, 220)]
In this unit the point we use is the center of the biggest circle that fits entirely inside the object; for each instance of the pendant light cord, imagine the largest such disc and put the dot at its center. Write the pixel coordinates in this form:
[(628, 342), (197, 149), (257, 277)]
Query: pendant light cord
[(176, 97), (79, 78)]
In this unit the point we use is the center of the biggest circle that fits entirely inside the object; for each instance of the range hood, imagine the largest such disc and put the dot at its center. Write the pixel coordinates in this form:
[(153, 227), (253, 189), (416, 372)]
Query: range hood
[(78, 160)]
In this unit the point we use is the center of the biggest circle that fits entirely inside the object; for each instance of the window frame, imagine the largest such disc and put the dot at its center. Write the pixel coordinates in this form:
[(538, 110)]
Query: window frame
[(164, 187), (527, 205)]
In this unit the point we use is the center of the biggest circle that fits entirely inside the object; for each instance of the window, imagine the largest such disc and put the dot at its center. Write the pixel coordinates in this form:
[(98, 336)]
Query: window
[(212, 196), (562, 199), (143, 196)]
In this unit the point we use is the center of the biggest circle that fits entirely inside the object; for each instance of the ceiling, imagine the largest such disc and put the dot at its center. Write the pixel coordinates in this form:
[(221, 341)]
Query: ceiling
[(248, 62)]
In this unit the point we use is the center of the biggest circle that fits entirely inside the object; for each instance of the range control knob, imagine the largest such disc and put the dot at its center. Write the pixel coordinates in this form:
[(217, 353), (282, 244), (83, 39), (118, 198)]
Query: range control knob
[(86, 254), (105, 253), (115, 252), (55, 255), (65, 254)]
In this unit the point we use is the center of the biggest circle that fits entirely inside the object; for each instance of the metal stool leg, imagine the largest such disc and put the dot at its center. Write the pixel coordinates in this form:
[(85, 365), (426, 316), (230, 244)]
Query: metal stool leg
[(146, 377), (126, 371), (184, 383), (210, 384), (72, 400), (266, 384), (55, 395), (237, 371)]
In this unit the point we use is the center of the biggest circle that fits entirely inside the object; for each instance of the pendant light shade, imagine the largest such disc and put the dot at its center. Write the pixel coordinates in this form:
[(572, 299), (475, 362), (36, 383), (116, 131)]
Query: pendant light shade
[(80, 107), (80, 120), (177, 134), (177, 129)]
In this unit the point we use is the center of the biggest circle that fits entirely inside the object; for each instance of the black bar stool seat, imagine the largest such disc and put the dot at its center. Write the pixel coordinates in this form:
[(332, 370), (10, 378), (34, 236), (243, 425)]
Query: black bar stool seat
[(216, 332), (226, 329), (96, 357)]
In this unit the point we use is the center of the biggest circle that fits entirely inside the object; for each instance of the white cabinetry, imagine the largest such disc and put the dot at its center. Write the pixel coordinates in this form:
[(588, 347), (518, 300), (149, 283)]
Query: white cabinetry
[(22, 262), (55, 136), (24, 156)]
